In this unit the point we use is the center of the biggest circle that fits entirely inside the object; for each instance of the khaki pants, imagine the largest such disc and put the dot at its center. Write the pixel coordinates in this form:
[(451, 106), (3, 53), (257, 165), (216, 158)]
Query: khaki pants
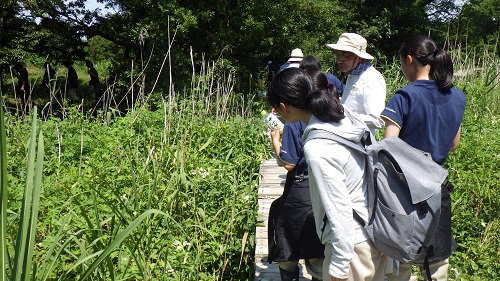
[(367, 264), (439, 271)]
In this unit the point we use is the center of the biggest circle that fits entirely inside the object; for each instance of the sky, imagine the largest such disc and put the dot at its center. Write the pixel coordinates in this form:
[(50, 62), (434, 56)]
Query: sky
[(93, 4)]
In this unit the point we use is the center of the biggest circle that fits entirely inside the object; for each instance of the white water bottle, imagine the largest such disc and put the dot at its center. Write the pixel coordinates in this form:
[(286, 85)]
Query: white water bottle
[(272, 121)]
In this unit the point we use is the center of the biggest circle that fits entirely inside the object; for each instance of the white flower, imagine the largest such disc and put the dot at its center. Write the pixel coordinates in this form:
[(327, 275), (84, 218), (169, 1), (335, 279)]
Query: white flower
[(177, 244), (202, 172)]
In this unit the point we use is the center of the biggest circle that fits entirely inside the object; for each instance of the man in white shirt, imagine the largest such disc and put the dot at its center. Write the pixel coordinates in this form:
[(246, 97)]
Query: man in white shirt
[(365, 88)]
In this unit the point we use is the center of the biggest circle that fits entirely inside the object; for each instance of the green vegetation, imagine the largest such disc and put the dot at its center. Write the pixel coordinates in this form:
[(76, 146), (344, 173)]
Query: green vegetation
[(474, 168), (165, 194), (159, 182), (168, 191)]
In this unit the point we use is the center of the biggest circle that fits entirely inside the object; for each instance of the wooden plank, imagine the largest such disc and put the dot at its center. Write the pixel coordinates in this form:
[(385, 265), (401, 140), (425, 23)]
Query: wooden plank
[(265, 271), (270, 191)]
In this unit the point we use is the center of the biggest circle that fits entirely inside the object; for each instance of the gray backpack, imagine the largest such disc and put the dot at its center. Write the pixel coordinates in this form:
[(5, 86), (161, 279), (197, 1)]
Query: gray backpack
[(404, 196)]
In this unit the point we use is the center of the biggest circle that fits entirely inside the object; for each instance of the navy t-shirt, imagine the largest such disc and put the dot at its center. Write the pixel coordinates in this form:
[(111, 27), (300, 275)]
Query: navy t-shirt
[(291, 146), (428, 118)]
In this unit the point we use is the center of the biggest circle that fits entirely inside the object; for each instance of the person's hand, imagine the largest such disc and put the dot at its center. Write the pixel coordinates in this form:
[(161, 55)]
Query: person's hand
[(275, 134), (337, 279)]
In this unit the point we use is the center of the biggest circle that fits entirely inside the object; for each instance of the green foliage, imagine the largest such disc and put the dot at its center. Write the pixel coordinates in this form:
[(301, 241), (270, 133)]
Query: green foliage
[(194, 160), (474, 169), (185, 168), (480, 20), (12, 25), (19, 268), (243, 33)]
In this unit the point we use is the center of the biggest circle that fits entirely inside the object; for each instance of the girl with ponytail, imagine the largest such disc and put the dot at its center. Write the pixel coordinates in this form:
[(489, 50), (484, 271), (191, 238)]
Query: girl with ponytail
[(335, 172), (427, 114)]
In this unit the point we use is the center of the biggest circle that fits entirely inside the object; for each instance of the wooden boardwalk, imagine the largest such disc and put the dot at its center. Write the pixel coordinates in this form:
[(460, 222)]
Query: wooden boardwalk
[(271, 185)]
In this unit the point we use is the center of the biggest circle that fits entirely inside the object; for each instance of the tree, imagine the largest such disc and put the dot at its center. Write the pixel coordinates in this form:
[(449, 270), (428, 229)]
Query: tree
[(386, 24), (481, 21), (14, 25), (236, 32)]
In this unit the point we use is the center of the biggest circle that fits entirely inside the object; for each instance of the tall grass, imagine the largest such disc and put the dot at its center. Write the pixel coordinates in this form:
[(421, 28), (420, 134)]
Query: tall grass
[(19, 268), (166, 192), (475, 168)]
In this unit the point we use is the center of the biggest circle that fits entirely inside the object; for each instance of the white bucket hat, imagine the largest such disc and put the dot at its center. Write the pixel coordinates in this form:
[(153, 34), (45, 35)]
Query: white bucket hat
[(296, 55), (352, 42)]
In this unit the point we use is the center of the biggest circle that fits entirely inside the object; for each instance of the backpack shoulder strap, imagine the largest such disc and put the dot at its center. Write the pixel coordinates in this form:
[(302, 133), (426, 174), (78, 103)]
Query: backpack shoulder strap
[(322, 134)]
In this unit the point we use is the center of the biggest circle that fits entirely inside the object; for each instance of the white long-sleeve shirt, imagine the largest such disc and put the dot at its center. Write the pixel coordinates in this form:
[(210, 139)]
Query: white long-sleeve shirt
[(365, 95), (337, 186)]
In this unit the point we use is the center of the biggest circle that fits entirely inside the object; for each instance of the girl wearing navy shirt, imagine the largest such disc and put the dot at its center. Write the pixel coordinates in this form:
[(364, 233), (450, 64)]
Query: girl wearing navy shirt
[(427, 114), (292, 232)]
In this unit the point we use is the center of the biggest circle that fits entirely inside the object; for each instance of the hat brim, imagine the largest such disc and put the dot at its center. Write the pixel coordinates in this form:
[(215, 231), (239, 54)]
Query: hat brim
[(339, 47), (295, 59)]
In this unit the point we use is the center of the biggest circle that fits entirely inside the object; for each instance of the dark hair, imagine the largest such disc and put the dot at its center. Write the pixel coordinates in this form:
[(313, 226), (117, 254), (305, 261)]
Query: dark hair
[(310, 62), (320, 81), (293, 87), (424, 50)]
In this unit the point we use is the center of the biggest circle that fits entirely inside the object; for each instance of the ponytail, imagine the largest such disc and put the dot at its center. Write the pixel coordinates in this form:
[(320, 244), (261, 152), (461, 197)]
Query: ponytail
[(442, 69), (326, 106), (425, 52), (324, 100)]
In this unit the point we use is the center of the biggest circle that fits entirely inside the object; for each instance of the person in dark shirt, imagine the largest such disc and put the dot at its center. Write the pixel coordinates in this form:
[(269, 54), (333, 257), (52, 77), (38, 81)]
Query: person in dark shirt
[(23, 88), (290, 242), (94, 80), (427, 114), (72, 82)]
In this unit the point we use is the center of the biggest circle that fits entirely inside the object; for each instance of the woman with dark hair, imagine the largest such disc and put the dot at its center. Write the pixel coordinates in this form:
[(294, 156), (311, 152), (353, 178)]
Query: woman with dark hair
[(292, 231), (427, 114), (336, 174), (311, 62)]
